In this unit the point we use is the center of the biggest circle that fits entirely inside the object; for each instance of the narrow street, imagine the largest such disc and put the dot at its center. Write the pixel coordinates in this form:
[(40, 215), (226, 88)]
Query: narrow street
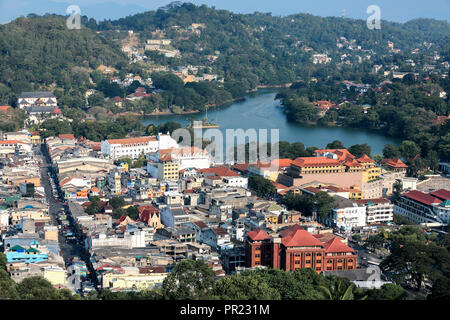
[(67, 250)]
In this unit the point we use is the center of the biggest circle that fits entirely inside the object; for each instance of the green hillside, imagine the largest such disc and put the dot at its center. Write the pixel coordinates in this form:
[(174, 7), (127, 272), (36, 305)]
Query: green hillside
[(42, 53)]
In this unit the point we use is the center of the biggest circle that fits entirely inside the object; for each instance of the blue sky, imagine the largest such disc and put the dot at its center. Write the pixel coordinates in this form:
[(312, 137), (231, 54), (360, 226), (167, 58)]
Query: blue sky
[(391, 10)]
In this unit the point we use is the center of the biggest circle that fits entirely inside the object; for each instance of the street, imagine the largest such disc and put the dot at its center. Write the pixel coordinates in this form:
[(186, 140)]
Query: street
[(67, 250)]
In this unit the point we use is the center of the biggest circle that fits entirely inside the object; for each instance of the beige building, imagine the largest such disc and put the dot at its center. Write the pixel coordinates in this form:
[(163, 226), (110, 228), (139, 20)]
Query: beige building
[(134, 278)]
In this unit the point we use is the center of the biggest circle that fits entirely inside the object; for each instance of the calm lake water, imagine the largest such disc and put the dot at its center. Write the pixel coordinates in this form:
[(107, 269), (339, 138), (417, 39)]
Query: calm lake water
[(260, 110)]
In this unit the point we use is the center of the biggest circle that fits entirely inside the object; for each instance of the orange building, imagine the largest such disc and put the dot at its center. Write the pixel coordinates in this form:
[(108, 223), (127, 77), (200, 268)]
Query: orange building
[(394, 164), (296, 248)]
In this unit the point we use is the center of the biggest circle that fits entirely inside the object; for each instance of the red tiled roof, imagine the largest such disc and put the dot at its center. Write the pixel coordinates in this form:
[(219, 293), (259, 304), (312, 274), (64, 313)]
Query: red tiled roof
[(352, 163), (57, 111), (365, 159), (443, 194), (241, 166), (394, 163), (67, 136), (274, 164), (258, 235), (342, 154), (220, 171), (335, 189), (147, 214), (201, 224), (336, 245), (422, 197), (132, 140), (314, 162), (5, 108), (220, 231), (440, 119), (279, 185), (296, 236), (312, 189), (148, 207), (11, 142)]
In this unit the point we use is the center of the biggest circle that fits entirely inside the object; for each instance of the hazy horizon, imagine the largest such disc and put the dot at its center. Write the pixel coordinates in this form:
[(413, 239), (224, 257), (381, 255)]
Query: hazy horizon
[(395, 11)]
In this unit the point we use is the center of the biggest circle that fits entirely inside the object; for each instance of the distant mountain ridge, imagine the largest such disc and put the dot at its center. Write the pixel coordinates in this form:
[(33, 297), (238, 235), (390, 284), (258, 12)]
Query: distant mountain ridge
[(99, 11)]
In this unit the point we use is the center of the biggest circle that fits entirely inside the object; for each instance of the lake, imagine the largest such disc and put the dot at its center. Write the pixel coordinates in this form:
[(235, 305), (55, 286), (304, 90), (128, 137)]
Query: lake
[(260, 110)]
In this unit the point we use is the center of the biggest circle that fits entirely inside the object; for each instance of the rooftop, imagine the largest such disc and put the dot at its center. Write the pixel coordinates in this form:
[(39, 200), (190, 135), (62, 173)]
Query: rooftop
[(422, 197)]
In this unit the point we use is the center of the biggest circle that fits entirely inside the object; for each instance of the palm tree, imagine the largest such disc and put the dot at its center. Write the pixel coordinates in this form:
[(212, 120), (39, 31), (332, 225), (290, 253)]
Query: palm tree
[(339, 292)]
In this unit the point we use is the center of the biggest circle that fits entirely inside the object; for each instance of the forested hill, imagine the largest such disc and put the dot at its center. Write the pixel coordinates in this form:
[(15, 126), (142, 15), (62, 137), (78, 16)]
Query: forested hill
[(263, 49), (250, 49), (318, 32), (42, 52)]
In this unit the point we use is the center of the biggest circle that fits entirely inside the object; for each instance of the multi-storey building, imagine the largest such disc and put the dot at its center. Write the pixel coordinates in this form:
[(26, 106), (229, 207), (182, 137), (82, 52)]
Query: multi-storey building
[(295, 248), (186, 157), (347, 214), (36, 99), (420, 207), (335, 166), (164, 170), (174, 216), (129, 147), (378, 210), (134, 147)]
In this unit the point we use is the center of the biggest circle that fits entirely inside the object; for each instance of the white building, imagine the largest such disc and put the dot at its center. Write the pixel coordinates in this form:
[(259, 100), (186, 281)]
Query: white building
[(217, 238), (185, 157), (31, 99), (347, 214), (134, 147), (13, 146), (174, 216), (133, 238), (229, 177), (378, 210), (4, 218), (420, 207)]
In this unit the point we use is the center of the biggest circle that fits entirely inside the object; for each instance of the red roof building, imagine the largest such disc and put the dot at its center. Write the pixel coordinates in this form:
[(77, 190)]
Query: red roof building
[(258, 235), (150, 216), (68, 136), (218, 171), (442, 194), (394, 164), (422, 197), (295, 248), (420, 207), (5, 108), (56, 111)]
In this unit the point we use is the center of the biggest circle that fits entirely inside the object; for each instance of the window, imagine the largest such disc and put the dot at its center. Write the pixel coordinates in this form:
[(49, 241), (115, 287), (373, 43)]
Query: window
[(308, 261), (297, 262), (318, 261)]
